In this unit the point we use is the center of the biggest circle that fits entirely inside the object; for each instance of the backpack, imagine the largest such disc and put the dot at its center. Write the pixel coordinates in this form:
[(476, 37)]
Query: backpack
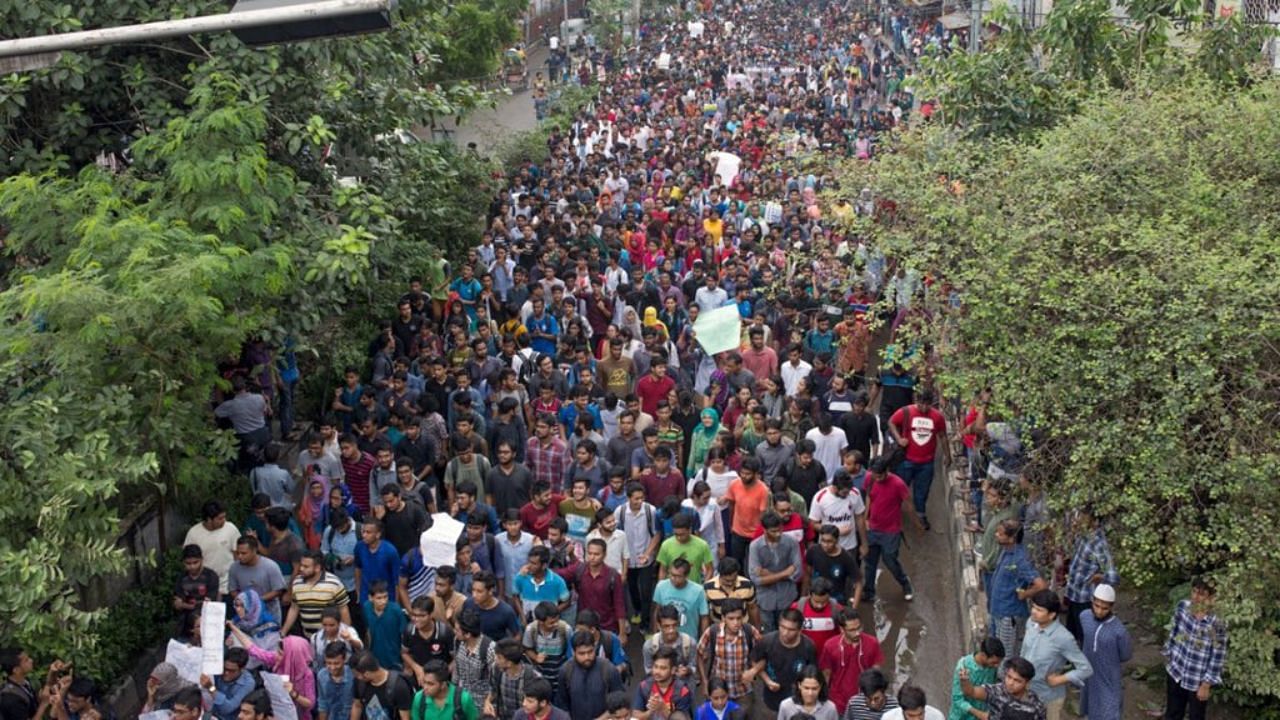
[(715, 635), (456, 694), (648, 516), (529, 366)]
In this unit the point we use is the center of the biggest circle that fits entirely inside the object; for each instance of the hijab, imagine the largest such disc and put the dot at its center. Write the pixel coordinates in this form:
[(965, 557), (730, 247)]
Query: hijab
[(168, 683), (703, 439), (255, 611), (651, 320), (293, 660)]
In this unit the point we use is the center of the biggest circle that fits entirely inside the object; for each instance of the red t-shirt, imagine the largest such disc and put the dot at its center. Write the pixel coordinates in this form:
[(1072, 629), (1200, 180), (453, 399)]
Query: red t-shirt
[(969, 439), (845, 663), (819, 625), (921, 431), (884, 504), (535, 521), (650, 391)]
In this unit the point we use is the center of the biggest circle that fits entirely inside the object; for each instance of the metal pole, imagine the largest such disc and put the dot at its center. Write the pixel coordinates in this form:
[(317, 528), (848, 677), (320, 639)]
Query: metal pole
[(190, 26), (975, 29)]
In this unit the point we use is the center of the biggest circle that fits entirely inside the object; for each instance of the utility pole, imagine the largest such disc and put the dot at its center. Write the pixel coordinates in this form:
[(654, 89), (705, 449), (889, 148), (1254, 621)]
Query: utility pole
[(280, 22), (975, 26)]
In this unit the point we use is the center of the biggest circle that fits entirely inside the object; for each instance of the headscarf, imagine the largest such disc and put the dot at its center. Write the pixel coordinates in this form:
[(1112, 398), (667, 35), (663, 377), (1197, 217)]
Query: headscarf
[(703, 439), (255, 611), (317, 507), (168, 683), (631, 321), (651, 320), (293, 659)]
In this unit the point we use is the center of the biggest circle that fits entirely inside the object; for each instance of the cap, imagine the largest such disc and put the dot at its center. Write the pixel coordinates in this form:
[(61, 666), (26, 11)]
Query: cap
[(1105, 593)]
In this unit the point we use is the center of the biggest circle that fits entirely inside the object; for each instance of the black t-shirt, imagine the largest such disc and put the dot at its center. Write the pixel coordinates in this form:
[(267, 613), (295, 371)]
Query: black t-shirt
[(437, 647), (841, 570), (860, 430), (783, 665), (391, 697), (807, 480), (199, 588), (509, 491), (18, 702), (404, 527)]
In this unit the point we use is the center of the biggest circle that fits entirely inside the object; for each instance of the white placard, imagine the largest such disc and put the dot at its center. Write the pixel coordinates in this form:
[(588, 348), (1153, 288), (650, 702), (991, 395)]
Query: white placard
[(439, 543), (157, 715), (213, 624), (186, 659), (281, 706)]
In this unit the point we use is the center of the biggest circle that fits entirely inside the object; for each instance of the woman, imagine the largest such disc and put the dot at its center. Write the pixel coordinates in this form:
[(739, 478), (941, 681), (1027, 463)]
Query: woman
[(651, 321), (810, 697), (255, 622), (704, 436), (292, 660), (750, 427), (162, 685), (737, 408), (774, 398), (311, 511), (718, 705)]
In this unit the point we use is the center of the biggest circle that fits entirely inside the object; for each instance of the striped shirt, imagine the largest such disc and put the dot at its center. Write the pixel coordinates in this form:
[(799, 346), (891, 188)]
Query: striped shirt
[(313, 598), (858, 710)]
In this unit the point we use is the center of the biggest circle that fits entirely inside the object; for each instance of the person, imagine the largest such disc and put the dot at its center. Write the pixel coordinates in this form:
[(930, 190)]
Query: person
[(920, 429), (217, 541), (809, 697), (600, 589), (607, 643), (536, 583), (836, 566), (637, 521), (197, 583), (403, 522), (338, 544), (546, 641), (749, 498), (819, 612), (425, 639), (248, 413), (710, 522), (542, 508), (729, 583), (375, 560), (670, 637), (384, 622), (724, 654), (1194, 653), (333, 631), (586, 681), (253, 617), (162, 685), (913, 705), (188, 704), (335, 684), (379, 692), (231, 687), (844, 658), (440, 699), (1049, 647), (690, 599), (1107, 645), (980, 668), (779, 657), (1010, 699), (473, 657), (1091, 565), (840, 506), (774, 566), (276, 482), (536, 703), (497, 619), (292, 660), (873, 699), (662, 692), (257, 706), (719, 706), (887, 496), (507, 686), (684, 544), (1014, 580), (315, 590)]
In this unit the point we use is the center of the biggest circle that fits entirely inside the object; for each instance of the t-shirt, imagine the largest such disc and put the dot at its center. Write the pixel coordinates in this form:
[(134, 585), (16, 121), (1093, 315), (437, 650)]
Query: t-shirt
[(218, 546), (839, 569), (404, 528), (532, 591), (1003, 706), (861, 432), (921, 431), (783, 664), (313, 598), (498, 622), (384, 702), (696, 551), (884, 504), (743, 590), (749, 504), (819, 624), (199, 588), (690, 600), (509, 491), (384, 631), (437, 647), (578, 519), (616, 376), (263, 576), (831, 509)]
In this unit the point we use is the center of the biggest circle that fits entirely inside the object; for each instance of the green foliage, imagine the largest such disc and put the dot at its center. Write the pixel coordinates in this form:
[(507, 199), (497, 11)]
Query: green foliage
[(1119, 275), (531, 145), (142, 618)]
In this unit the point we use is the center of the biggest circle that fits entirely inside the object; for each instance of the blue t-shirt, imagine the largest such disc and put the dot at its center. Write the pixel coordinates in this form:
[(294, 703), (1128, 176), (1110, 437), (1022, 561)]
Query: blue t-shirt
[(497, 622), (531, 592), (691, 601), (384, 564), (1014, 570), (384, 633)]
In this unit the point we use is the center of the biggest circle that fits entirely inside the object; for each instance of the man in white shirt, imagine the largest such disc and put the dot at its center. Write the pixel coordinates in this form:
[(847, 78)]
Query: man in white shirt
[(794, 370), (912, 706), (837, 504), (828, 442), (710, 296), (217, 540)]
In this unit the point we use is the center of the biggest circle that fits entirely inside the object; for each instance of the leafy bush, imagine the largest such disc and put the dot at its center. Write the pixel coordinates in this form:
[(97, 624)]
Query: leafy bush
[(137, 622)]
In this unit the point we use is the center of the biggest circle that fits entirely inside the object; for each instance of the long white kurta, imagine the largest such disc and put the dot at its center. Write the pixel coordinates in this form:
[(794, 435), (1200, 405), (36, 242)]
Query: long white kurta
[(1108, 648)]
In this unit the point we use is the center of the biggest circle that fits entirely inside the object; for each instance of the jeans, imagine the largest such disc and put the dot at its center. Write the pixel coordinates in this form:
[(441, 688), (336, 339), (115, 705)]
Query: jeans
[(1178, 701), (919, 476), (738, 547), (286, 408), (641, 582), (883, 546)]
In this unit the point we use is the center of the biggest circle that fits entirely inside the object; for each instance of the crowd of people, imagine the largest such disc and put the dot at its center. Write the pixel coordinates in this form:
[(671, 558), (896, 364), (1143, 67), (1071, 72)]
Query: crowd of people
[(651, 531)]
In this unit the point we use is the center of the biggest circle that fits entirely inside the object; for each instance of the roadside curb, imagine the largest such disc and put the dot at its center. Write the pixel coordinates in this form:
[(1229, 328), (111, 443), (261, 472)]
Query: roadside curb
[(970, 598)]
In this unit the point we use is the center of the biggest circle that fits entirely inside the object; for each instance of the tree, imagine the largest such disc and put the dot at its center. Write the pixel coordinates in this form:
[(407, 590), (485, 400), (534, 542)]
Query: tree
[(1118, 275)]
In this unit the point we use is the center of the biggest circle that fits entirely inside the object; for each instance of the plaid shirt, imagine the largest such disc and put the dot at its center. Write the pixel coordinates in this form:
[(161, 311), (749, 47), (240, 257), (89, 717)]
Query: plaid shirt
[(729, 658), (1092, 556), (1196, 649), (471, 672), (549, 462)]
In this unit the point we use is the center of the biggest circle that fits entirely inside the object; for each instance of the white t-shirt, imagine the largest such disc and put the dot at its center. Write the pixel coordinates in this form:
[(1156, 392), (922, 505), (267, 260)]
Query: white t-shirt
[(218, 547), (930, 713), (828, 448), (719, 482), (830, 509)]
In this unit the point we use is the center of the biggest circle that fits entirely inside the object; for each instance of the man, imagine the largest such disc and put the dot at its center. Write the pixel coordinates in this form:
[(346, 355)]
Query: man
[(600, 589), (912, 705), (425, 639), (285, 546), (379, 693), (546, 641), (661, 480), (840, 506), (684, 544), (441, 700), (507, 686), (778, 454), (774, 565), (724, 653), (669, 637), (1014, 581), (375, 560), (187, 705), (467, 467), (313, 591), (749, 497), (637, 520), (861, 428), (828, 442), (760, 359), (449, 600), (780, 656), (273, 480), (467, 508), (730, 584), (1011, 699), (887, 497), (690, 599), (794, 370), (251, 572), (536, 703), (548, 455), (496, 618), (335, 685), (1049, 647), (643, 458), (586, 680), (838, 567), (509, 482), (196, 584), (655, 385), (19, 700), (873, 699), (617, 371), (662, 692), (843, 658), (247, 413), (474, 657), (621, 446), (1091, 565), (402, 522), (257, 706), (1194, 653), (920, 428), (217, 540), (979, 668), (1108, 648), (357, 467), (231, 687), (819, 613), (537, 583)]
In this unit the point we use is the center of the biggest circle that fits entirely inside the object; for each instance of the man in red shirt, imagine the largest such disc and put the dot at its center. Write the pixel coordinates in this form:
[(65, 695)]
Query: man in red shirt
[(920, 429), (654, 387), (759, 358), (542, 508), (844, 657), (820, 613), (887, 497)]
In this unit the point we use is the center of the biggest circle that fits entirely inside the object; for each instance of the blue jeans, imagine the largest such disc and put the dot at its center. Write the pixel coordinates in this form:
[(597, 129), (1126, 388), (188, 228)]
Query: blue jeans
[(920, 477), (883, 546)]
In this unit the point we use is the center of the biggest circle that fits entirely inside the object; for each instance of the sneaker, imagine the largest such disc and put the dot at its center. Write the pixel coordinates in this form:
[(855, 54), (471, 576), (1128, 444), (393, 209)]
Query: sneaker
[(909, 594)]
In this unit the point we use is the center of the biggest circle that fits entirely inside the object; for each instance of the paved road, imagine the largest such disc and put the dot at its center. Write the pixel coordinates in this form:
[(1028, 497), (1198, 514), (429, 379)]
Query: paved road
[(489, 127)]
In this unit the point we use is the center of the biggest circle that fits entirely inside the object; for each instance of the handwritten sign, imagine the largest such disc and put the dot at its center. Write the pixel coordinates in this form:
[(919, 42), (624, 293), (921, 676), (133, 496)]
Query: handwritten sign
[(186, 659), (282, 708), (213, 621)]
